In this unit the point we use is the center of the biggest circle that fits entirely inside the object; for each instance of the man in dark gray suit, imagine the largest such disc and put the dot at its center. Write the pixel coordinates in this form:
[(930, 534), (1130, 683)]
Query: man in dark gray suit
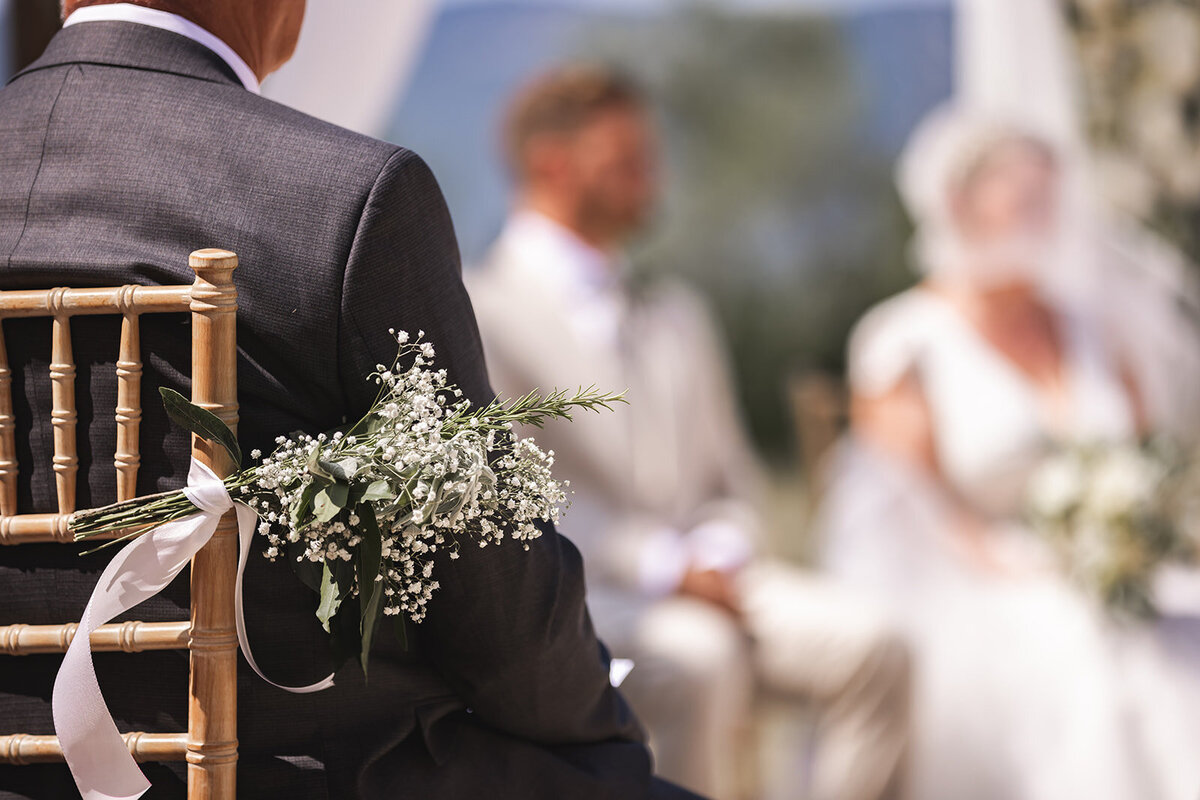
[(136, 138)]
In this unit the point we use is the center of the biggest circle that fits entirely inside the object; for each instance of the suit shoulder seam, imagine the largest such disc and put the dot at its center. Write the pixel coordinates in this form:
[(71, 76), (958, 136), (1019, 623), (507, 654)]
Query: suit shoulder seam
[(38, 171)]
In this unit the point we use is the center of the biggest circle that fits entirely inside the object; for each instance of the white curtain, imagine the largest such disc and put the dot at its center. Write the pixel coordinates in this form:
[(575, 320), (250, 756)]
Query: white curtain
[(353, 61), (1013, 62)]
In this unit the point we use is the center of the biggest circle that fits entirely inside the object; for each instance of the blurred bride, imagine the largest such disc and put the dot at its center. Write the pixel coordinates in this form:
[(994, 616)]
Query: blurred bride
[(960, 387)]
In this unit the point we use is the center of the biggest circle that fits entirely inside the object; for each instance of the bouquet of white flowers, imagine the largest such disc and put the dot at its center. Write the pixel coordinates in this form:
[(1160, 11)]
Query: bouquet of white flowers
[(361, 512), (1112, 512)]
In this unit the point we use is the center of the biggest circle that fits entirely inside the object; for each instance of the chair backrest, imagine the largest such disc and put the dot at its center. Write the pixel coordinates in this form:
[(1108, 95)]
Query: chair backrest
[(820, 408), (210, 744)]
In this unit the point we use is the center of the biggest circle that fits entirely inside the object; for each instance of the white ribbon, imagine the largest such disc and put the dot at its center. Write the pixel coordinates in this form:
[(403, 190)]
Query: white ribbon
[(93, 748)]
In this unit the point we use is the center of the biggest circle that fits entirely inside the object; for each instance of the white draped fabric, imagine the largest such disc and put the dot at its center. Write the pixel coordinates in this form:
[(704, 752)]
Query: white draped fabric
[(354, 60), (1012, 62), (1015, 64)]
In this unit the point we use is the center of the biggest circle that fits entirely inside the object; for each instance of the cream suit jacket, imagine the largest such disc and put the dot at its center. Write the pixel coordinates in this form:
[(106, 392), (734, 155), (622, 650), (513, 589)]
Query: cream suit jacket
[(674, 458)]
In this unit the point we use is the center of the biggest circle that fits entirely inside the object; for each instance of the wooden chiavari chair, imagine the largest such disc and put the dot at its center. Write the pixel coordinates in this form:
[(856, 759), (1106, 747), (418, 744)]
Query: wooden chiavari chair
[(210, 744)]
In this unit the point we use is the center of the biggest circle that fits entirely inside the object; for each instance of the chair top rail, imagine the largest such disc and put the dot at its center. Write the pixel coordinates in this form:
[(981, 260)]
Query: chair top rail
[(78, 302)]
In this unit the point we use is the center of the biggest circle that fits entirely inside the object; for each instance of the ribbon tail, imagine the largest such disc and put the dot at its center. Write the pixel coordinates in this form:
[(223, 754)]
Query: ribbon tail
[(247, 520), (98, 758), (93, 748)]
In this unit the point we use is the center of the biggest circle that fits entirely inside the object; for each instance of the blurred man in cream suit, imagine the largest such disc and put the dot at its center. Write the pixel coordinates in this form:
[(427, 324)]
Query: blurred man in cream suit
[(664, 508)]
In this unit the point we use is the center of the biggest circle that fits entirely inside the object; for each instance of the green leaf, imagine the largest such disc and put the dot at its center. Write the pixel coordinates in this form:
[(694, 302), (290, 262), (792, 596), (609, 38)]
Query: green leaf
[(201, 422), (378, 490), (369, 564), (316, 467), (371, 617), (331, 598), (330, 501), (355, 495), (308, 572), (301, 511), (341, 470), (370, 553)]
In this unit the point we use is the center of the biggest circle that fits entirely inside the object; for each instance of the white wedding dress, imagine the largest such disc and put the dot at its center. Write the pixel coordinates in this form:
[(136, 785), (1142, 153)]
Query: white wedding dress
[(1026, 691)]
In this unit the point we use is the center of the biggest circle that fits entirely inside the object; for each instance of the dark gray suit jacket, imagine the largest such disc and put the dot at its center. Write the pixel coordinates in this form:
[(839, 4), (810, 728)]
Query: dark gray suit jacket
[(122, 149)]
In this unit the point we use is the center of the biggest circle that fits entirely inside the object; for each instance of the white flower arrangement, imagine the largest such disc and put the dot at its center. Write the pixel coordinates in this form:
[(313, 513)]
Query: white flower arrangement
[(1111, 513), (362, 512)]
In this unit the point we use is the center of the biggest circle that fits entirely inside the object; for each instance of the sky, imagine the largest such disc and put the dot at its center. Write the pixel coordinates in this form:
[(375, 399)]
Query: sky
[(469, 69)]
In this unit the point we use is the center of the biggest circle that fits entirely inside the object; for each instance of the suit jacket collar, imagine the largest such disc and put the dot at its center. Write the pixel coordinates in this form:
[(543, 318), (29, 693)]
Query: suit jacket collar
[(127, 44)]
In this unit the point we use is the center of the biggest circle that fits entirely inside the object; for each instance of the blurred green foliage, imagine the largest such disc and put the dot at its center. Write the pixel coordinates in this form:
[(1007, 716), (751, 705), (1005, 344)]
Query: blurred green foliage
[(1140, 72), (776, 207)]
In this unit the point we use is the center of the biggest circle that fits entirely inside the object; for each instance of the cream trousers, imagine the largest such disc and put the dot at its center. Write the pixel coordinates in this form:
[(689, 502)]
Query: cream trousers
[(698, 671)]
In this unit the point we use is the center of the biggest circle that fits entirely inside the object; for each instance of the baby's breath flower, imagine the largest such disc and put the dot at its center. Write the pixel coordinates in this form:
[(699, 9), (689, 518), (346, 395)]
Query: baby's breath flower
[(435, 471)]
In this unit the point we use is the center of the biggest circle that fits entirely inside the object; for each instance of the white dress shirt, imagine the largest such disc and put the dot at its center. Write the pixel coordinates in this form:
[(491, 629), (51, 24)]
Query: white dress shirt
[(587, 278), (128, 12)]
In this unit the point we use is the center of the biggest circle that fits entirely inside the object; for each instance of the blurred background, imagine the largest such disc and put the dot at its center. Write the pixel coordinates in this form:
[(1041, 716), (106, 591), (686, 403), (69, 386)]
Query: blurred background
[(782, 120), (781, 123)]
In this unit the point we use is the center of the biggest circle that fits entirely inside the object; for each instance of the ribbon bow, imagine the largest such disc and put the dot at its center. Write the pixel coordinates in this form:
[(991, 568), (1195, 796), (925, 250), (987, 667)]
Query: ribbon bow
[(98, 758)]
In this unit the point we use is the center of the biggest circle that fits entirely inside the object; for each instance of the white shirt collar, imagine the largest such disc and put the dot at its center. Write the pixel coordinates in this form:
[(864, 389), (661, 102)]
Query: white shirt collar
[(128, 12), (557, 256), (539, 252)]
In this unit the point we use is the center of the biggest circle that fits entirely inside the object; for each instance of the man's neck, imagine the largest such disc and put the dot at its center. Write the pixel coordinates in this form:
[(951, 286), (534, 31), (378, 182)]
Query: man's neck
[(567, 217), (558, 254)]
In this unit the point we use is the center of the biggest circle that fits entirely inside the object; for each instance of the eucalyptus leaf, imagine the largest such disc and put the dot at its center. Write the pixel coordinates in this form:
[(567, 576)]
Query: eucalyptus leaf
[(355, 496), (378, 490), (324, 508), (329, 501), (201, 422), (339, 493), (487, 479), (309, 572), (343, 573), (341, 470), (370, 552), (371, 617), (302, 509), (331, 598), (316, 468), (369, 564)]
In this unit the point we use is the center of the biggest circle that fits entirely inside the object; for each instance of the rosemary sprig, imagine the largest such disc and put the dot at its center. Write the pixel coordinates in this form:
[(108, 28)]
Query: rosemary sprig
[(146, 513), (536, 409)]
